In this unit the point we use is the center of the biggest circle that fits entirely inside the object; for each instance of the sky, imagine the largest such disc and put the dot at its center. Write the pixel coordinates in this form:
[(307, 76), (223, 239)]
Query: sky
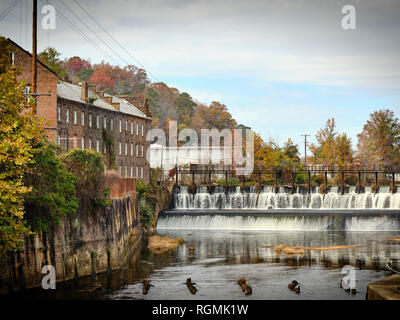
[(281, 67)]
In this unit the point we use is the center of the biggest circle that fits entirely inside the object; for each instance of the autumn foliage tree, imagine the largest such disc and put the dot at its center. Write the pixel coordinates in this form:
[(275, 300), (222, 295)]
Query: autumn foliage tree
[(379, 141), (332, 149), (20, 136)]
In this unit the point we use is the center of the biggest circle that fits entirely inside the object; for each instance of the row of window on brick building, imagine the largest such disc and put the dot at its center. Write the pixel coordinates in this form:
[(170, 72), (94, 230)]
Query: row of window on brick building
[(126, 171), (111, 126)]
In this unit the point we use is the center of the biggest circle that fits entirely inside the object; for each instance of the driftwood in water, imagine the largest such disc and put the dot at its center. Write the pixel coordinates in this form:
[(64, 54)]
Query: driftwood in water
[(294, 286), (191, 286), (146, 286), (245, 287)]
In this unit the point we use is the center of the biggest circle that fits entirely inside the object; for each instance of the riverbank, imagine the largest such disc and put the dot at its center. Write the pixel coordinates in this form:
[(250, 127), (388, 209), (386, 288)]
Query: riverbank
[(85, 243), (385, 289)]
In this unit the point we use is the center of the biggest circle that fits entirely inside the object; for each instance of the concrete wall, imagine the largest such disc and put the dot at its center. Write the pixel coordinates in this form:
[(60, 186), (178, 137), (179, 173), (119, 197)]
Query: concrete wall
[(86, 241)]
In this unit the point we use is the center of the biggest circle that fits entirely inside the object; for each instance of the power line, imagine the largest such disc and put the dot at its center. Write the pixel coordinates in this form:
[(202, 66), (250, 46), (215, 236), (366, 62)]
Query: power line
[(112, 38), (8, 10), (83, 22), (83, 34)]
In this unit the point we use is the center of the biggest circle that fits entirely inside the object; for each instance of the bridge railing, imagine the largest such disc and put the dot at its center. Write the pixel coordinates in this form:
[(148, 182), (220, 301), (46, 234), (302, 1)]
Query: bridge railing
[(359, 178)]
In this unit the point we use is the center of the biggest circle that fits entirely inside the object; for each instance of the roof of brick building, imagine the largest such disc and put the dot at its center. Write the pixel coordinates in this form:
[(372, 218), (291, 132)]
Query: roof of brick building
[(72, 92)]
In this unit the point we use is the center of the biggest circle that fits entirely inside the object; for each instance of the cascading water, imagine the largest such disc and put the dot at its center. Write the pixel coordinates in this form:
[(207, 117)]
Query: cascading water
[(237, 209), (283, 199)]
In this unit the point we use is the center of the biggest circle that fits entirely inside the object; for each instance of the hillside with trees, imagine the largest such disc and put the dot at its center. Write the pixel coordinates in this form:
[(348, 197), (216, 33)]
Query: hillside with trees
[(378, 143)]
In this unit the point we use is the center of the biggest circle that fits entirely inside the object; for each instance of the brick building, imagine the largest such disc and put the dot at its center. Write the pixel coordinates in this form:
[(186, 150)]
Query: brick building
[(46, 84), (79, 116)]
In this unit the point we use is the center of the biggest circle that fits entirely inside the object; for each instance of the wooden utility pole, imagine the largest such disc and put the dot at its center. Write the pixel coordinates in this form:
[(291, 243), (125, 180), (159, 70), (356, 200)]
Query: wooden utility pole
[(305, 150), (34, 54)]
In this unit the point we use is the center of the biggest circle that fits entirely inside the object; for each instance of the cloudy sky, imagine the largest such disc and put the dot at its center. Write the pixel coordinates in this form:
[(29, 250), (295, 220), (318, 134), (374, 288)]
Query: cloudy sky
[(282, 67)]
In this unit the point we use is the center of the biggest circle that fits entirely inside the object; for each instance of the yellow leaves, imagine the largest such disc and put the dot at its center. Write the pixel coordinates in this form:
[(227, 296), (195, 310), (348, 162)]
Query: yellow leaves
[(19, 133)]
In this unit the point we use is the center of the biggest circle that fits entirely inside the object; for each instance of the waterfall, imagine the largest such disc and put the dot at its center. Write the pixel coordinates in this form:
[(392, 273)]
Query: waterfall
[(235, 198), (309, 222)]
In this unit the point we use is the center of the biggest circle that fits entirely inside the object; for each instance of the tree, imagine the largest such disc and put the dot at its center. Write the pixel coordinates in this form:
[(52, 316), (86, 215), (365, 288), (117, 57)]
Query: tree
[(20, 136), (102, 79), (333, 149), (84, 74), (379, 142), (76, 64), (53, 192), (184, 106), (50, 57), (291, 151), (88, 167)]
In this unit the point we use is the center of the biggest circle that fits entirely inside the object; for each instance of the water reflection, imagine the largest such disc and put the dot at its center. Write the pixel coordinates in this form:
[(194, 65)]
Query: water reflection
[(220, 258)]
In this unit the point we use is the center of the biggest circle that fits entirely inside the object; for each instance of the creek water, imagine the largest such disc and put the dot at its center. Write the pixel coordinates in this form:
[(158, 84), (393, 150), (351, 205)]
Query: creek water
[(221, 257)]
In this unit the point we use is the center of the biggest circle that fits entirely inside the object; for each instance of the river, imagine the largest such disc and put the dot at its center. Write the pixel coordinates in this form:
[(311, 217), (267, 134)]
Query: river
[(222, 257)]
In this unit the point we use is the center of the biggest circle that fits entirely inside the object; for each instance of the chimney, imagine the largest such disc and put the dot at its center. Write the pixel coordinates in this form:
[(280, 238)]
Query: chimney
[(92, 87), (107, 99), (145, 108), (84, 91), (116, 105)]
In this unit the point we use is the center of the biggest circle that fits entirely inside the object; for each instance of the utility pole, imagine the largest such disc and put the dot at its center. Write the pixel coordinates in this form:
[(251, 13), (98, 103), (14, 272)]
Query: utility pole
[(34, 54), (305, 149)]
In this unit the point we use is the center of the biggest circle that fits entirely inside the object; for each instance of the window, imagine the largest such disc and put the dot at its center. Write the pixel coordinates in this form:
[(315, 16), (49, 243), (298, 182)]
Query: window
[(83, 143), (27, 91), (131, 149), (126, 126), (137, 172), (105, 122), (105, 149), (90, 120), (142, 130), (75, 116), (141, 172), (12, 57), (119, 169), (126, 149), (131, 174), (137, 129), (97, 121), (142, 151), (98, 146), (137, 150), (90, 143), (82, 118), (120, 125), (119, 148), (67, 115), (58, 138), (58, 113), (131, 127), (112, 124), (126, 171)]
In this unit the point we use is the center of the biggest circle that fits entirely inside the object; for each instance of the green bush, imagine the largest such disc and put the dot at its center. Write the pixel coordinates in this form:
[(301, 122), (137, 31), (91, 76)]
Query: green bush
[(232, 182), (88, 168), (53, 189)]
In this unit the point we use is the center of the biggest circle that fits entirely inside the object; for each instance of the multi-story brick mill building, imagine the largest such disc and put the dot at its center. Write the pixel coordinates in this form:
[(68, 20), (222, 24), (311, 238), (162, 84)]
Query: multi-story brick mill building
[(79, 116)]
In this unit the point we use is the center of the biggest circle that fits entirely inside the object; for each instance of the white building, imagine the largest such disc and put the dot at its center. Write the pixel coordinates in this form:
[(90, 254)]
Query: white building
[(167, 157)]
